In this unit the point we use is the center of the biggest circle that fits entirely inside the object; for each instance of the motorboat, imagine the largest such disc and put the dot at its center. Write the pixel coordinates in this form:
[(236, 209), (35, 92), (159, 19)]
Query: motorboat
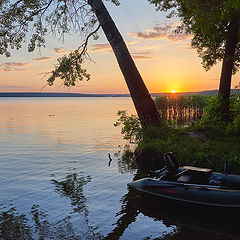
[(190, 185)]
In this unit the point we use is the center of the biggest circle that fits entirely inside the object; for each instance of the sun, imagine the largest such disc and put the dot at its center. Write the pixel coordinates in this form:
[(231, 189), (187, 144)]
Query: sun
[(173, 91)]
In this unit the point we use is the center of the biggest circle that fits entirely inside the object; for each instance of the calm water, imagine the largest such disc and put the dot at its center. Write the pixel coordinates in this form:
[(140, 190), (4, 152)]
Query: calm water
[(55, 182)]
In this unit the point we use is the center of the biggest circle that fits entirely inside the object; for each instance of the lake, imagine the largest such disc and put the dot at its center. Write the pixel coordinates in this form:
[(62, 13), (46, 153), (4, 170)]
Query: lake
[(55, 182)]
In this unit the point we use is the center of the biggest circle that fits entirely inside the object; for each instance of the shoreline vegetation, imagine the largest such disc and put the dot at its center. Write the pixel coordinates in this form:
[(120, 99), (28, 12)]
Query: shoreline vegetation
[(190, 129)]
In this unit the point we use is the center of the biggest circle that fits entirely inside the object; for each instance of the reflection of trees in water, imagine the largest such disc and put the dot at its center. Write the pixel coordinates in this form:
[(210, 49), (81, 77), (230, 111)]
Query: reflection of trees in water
[(131, 161), (14, 225), (183, 225), (72, 187), (126, 162), (36, 224), (128, 216)]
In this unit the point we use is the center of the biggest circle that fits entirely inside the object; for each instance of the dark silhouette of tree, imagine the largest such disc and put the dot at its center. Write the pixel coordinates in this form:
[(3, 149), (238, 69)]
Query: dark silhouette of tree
[(19, 17)]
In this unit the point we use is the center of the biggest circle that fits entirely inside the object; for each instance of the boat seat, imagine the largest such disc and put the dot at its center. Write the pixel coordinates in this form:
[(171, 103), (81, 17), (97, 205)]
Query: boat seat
[(184, 179), (195, 175), (230, 181), (197, 169)]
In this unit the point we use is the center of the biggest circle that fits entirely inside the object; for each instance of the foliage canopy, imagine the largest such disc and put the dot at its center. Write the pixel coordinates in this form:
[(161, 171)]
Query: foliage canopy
[(29, 22), (208, 21)]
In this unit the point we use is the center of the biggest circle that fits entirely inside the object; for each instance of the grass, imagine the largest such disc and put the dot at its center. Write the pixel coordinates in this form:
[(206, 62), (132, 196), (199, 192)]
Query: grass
[(210, 146), (208, 152)]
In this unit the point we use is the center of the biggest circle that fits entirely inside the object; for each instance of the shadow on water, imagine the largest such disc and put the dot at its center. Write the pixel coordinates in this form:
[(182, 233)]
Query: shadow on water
[(35, 224), (184, 223), (188, 222)]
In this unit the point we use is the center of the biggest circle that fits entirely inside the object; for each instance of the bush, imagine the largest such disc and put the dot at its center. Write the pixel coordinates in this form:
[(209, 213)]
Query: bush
[(234, 127), (213, 120), (131, 127), (221, 141)]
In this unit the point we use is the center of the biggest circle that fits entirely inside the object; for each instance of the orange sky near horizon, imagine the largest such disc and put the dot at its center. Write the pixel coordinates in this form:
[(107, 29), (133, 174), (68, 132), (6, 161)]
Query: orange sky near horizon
[(165, 61)]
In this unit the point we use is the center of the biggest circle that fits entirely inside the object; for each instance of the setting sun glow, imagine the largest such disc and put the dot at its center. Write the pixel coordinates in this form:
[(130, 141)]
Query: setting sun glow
[(173, 91)]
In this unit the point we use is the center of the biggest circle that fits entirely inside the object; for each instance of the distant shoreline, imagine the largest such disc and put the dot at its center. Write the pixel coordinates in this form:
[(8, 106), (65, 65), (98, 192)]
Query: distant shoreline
[(49, 94), (39, 94)]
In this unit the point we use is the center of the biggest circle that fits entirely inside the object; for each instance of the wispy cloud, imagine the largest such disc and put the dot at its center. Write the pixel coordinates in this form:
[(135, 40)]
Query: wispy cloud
[(136, 55), (148, 48), (132, 42), (60, 50), (20, 69), (42, 59), (162, 32), (107, 47), (13, 67), (11, 88), (141, 57), (15, 64), (141, 53), (185, 45), (101, 47)]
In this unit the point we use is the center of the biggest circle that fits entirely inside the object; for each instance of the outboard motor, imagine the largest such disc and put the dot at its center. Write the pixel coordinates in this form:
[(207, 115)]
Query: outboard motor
[(171, 167), (171, 162)]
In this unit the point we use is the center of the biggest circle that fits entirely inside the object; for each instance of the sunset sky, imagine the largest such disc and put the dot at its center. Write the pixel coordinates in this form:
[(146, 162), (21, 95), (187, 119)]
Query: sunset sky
[(165, 61)]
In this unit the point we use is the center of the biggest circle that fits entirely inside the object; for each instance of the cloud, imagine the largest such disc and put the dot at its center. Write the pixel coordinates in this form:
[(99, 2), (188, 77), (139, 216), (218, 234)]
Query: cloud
[(107, 46), (147, 48), (131, 42), (42, 59), (162, 32), (16, 88), (15, 64), (141, 57), (178, 37), (20, 69), (185, 45), (101, 47), (136, 55), (142, 53), (13, 67), (60, 50)]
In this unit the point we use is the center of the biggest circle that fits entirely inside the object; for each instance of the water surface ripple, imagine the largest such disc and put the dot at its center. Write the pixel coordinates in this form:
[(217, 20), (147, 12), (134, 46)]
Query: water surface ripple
[(55, 182)]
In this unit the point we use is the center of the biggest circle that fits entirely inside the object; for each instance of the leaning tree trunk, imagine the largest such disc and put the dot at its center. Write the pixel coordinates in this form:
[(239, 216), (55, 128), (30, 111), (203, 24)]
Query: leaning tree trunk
[(227, 66), (144, 104)]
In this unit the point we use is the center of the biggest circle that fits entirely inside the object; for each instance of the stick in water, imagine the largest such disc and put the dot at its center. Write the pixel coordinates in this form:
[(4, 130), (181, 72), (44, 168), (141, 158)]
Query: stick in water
[(110, 159)]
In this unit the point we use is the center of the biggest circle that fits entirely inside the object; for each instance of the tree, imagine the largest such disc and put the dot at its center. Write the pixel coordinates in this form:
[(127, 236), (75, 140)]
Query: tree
[(61, 16), (216, 29)]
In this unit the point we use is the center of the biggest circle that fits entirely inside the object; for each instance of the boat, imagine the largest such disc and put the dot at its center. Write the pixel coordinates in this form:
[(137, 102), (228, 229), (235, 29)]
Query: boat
[(190, 185)]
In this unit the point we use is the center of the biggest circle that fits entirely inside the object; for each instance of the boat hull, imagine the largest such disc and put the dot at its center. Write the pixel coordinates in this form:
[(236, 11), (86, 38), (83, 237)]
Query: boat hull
[(191, 194)]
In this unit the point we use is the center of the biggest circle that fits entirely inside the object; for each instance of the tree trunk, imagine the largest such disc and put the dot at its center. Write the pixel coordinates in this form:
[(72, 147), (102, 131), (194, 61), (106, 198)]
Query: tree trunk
[(227, 66), (144, 104)]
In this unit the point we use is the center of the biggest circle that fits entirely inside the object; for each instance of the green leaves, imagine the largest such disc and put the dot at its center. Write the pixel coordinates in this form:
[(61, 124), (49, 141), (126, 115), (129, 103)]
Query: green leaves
[(29, 21), (69, 69), (208, 21), (131, 127)]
